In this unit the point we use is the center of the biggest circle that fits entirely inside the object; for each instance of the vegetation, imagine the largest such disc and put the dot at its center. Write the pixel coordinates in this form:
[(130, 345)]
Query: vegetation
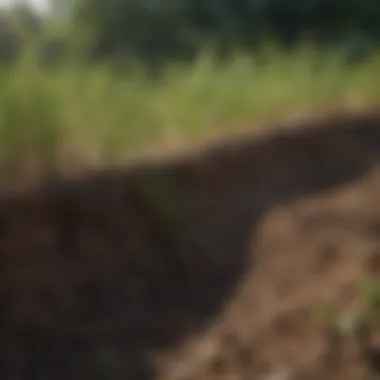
[(163, 29), (100, 103), (91, 113), (360, 325)]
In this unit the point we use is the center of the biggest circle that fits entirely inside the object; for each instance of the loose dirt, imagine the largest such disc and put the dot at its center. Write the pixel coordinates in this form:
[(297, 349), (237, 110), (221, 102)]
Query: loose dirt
[(206, 266)]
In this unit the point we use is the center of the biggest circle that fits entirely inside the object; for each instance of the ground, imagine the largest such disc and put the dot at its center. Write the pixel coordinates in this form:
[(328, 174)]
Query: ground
[(212, 265)]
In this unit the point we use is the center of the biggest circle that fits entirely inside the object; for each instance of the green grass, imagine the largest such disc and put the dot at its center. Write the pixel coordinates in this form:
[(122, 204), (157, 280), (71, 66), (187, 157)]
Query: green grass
[(90, 115), (358, 324)]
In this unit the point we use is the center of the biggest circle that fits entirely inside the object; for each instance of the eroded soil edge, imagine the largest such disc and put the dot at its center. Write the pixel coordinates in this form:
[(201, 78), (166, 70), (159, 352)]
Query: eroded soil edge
[(201, 267)]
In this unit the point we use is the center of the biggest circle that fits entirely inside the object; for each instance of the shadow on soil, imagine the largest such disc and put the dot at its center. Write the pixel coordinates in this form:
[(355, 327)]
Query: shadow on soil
[(98, 274)]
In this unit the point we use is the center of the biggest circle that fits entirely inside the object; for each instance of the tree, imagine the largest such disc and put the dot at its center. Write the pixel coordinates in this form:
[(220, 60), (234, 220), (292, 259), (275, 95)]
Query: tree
[(152, 29)]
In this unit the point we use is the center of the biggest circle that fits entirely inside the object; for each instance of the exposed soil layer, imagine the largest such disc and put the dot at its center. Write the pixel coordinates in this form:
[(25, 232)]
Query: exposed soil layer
[(203, 267)]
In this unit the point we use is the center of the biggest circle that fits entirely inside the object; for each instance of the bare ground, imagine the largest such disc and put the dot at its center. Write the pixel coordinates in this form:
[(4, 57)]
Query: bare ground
[(208, 266)]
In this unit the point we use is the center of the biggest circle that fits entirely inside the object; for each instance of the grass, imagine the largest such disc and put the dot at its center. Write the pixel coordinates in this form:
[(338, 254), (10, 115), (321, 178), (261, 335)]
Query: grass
[(76, 114), (358, 324), (348, 326)]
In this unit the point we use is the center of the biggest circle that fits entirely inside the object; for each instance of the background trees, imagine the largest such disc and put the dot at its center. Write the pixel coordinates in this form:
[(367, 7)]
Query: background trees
[(157, 30)]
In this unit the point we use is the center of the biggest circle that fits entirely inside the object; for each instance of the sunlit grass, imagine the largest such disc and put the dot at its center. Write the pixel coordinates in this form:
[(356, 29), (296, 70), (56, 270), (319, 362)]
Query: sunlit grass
[(92, 114)]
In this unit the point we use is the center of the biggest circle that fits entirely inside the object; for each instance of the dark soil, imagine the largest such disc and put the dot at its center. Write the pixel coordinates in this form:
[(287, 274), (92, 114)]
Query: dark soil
[(203, 267)]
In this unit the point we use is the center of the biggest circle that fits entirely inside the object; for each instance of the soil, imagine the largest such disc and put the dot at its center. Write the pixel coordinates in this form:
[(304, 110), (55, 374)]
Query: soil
[(201, 267)]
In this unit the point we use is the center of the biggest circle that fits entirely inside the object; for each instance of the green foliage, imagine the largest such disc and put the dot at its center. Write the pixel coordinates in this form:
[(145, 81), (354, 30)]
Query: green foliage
[(97, 116), (154, 29), (30, 116), (371, 291), (358, 324)]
